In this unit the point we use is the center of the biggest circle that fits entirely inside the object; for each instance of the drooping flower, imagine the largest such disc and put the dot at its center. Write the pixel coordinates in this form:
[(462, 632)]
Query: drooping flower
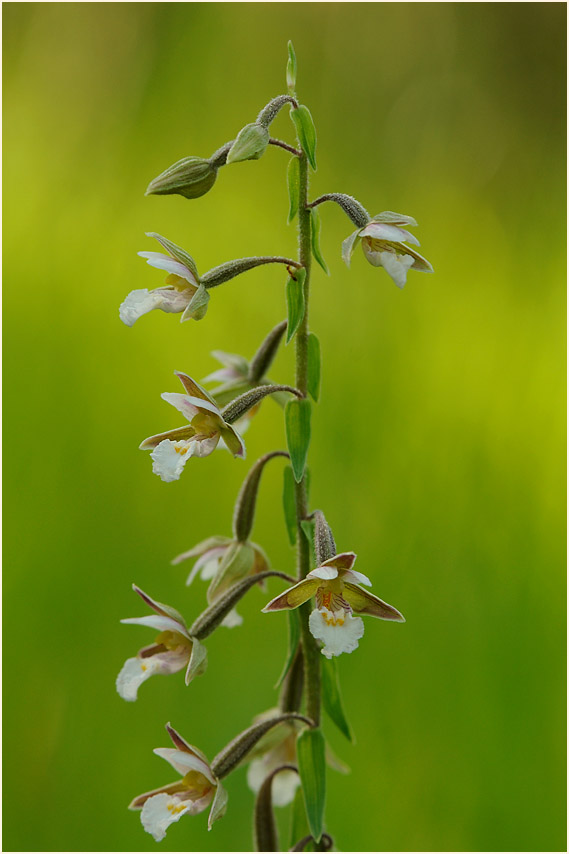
[(172, 450), (224, 562), (191, 795), (384, 241), (173, 649), (181, 286), (336, 588)]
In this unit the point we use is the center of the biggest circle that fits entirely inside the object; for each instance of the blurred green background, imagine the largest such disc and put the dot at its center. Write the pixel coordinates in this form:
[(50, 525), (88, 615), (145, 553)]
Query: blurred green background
[(438, 446)]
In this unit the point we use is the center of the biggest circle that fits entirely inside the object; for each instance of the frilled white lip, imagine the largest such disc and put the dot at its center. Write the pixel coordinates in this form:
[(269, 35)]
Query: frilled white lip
[(142, 301), (339, 630), (169, 265)]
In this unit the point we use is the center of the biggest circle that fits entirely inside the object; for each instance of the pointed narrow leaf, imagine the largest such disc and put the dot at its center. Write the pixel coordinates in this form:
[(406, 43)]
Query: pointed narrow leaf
[(298, 823), (310, 751), (315, 236), (306, 132), (295, 302), (333, 699), (289, 504), (297, 424), (293, 639), (313, 367), (293, 180)]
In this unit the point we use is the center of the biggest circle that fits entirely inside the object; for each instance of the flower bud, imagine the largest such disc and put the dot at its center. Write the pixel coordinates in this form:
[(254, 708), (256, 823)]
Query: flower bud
[(324, 544), (191, 177), (251, 143)]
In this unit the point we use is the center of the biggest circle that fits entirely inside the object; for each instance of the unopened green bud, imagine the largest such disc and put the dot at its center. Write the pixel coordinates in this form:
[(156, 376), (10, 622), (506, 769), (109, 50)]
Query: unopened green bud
[(291, 69), (191, 177), (324, 544), (251, 143)]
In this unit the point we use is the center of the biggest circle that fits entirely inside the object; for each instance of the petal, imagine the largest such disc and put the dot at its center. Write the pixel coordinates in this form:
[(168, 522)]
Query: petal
[(170, 265), (183, 762), (202, 548), (189, 406), (218, 806), (169, 459), (339, 631), (348, 246), (184, 745), (171, 789), (234, 442), (160, 811), (158, 622), (232, 360), (364, 602), (345, 560), (394, 218), (396, 266), (357, 577), (205, 445), (284, 785), (136, 304), (160, 608), (181, 434), (294, 596), (325, 572), (193, 389), (198, 661), (135, 671), (222, 375), (382, 231)]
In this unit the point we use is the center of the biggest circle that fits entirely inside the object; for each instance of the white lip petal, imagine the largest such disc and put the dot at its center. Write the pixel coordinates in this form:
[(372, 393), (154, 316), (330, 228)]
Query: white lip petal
[(160, 811), (397, 266), (135, 671), (339, 631), (169, 458), (232, 619), (136, 304), (184, 762)]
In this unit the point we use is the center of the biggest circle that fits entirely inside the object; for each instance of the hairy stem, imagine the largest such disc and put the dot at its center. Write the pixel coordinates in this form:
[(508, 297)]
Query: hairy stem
[(310, 650)]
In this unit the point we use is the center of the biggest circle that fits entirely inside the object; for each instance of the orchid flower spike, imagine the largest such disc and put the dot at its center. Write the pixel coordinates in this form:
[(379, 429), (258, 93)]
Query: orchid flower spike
[(172, 450), (173, 649), (383, 242), (191, 795), (336, 588), (224, 562), (182, 284)]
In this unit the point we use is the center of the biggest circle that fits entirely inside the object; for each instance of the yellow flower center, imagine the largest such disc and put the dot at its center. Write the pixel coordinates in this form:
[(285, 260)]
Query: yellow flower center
[(173, 640), (197, 784)]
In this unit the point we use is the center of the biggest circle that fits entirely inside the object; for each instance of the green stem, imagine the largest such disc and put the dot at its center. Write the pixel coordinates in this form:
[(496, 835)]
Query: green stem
[(310, 650)]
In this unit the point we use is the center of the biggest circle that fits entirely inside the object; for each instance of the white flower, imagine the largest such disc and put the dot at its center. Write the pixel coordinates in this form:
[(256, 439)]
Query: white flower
[(224, 562), (172, 450), (182, 284), (384, 245), (337, 597), (191, 795), (173, 649)]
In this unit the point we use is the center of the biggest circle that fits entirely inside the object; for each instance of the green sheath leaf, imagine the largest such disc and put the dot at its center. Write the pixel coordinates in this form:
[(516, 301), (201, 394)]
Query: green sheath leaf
[(333, 699), (306, 132), (289, 504), (293, 180), (313, 367), (297, 425), (310, 749), (293, 639), (315, 236), (295, 302), (298, 824)]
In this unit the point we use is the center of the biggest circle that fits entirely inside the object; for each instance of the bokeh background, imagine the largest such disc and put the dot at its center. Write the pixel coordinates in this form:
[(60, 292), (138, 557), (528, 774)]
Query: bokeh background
[(437, 453)]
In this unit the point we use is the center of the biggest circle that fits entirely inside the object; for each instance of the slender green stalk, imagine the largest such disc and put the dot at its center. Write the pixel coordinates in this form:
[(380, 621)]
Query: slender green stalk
[(310, 650)]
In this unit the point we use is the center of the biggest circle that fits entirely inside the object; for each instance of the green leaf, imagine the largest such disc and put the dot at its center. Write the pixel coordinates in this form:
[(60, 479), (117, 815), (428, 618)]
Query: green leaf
[(291, 69), (306, 132), (298, 823), (310, 750), (295, 302), (293, 639), (293, 180), (297, 425), (289, 504), (315, 236), (313, 367), (333, 699)]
